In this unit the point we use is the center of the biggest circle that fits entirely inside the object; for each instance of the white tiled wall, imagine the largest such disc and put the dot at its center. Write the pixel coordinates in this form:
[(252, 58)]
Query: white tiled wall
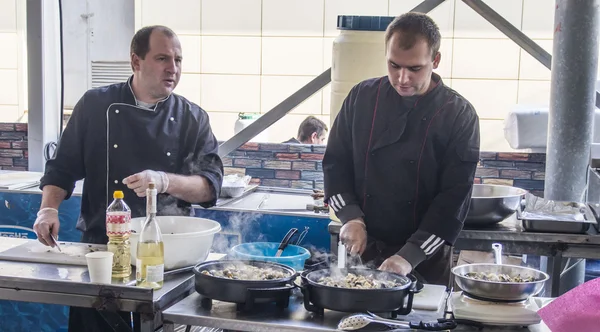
[(9, 62), (255, 53), (249, 55)]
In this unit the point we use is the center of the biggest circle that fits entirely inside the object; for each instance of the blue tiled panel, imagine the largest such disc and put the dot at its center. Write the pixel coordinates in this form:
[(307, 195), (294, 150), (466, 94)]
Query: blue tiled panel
[(17, 215)]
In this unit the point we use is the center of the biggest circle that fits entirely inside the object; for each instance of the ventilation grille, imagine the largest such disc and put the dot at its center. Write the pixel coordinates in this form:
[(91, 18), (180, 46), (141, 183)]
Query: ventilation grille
[(110, 72)]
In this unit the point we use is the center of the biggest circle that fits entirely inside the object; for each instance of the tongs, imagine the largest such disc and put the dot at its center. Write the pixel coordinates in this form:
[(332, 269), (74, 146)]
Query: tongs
[(302, 236)]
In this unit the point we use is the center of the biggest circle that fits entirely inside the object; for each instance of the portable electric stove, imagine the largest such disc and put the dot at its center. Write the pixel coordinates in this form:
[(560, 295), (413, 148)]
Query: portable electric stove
[(520, 313)]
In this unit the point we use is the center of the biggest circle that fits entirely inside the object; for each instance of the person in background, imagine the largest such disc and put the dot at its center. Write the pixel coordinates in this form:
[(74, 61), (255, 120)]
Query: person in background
[(311, 131), (401, 159), (124, 136)]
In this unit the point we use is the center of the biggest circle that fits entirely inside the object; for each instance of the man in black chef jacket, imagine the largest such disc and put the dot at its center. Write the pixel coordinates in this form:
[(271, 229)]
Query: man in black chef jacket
[(401, 158), (123, 136)]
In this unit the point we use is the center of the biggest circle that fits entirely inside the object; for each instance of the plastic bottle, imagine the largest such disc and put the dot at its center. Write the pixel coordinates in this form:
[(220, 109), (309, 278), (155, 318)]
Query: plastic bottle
[(358, 54), (118, 230)]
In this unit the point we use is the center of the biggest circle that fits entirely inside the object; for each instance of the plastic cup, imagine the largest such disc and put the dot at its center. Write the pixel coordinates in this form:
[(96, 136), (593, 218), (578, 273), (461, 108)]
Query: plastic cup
[(100, 266)]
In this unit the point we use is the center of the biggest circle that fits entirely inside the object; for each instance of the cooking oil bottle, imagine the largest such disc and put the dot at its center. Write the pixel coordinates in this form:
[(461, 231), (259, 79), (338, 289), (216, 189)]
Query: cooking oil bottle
[(150, 258), (118, 230)]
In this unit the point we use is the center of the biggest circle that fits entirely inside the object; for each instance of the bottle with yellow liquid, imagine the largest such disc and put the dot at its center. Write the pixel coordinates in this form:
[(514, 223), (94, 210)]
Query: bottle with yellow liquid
[(150, 258), (118, 230)]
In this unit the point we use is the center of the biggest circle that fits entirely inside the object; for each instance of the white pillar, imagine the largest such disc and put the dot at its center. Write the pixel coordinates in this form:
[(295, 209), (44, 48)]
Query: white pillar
[(43, 77)]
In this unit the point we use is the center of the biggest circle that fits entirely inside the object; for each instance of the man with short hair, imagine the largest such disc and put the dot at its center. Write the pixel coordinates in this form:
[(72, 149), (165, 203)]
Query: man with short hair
[(311, 131), (401, 158), (124, 136)]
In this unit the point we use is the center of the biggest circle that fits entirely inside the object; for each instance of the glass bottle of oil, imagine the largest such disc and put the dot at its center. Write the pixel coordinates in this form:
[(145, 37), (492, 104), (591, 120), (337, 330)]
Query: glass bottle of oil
[(118, 230), (150, 249)]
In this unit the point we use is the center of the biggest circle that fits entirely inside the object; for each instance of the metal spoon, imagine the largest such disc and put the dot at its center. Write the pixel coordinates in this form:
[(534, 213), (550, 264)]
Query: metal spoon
[(359, 321), (497, 252)]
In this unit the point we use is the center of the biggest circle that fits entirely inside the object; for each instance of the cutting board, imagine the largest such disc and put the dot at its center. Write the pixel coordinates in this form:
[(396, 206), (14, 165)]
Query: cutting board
[(73, 253), (431, 297), (19, 180)]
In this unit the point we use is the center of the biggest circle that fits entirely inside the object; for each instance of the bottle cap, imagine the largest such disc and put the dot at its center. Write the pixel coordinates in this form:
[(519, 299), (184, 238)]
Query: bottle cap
[(151, 185), (118, 194)]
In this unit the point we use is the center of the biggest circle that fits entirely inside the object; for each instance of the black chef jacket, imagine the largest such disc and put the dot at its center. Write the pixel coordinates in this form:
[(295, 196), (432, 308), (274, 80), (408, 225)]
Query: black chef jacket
[(109, 137), (404, 164)]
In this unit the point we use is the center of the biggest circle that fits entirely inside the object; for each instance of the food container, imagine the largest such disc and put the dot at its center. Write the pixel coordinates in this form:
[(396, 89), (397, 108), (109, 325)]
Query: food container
[(234, 185), (560, 223), (292, 256), (187, 240), (499, 290), (490, 203)]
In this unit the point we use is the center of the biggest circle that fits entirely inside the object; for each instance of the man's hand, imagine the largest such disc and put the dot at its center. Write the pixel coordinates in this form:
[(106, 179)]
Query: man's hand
[(46, 222), (354, 236), (396, 264), (139, 182)]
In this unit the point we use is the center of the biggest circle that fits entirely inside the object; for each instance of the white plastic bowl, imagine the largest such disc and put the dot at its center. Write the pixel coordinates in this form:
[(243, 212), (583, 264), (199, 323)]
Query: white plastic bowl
[(187, 240)]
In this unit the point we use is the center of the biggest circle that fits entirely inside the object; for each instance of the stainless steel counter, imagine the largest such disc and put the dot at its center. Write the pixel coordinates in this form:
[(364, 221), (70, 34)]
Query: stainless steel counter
[(69, 285), (516, 240), (272, 200), (267, 319)]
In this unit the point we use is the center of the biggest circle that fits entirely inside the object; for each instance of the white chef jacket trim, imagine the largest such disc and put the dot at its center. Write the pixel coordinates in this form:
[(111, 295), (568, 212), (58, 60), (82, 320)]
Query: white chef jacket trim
[(339, 196), (433, 247), (334, 204), (137, 103), (108, 197), (428, 241)]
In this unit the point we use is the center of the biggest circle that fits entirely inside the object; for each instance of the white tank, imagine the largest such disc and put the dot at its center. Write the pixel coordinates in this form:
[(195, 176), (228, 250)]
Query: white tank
[(244, 120), (358, 54)]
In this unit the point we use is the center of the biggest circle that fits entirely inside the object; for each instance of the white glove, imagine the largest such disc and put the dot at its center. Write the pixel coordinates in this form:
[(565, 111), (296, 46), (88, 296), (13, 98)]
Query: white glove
[(354, 236), (46, 222), (139, 182)]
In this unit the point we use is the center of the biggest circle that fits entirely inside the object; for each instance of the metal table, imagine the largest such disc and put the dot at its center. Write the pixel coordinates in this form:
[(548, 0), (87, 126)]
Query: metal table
[(269, 319), (516, 240), (69, 285)]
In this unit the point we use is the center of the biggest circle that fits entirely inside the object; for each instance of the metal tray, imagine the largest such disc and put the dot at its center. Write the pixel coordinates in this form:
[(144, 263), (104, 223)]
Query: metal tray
[(554, 226), (561, 226)]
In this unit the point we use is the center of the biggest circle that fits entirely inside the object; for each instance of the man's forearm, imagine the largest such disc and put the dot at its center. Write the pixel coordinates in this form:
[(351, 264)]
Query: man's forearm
[(192, 188), (52, 196)]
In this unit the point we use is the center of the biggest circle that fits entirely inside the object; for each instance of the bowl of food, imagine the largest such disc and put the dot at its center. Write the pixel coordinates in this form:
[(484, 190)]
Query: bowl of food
[(359, 290), (187, 240), (233, 280), (499, 282)]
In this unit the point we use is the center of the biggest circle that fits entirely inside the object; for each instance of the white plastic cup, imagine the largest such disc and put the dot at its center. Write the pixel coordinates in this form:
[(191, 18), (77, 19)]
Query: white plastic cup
[(100, 266)]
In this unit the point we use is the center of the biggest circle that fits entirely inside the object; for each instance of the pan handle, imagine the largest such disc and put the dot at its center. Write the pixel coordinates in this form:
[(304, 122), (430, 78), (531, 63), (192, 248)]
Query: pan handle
[(497, 252), (409, 302), (287, 238)]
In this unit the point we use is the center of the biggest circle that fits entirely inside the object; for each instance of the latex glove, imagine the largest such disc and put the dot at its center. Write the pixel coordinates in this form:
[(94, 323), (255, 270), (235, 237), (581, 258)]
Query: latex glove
[(139, 182), (354, 236), (396, 264), (46, 222)]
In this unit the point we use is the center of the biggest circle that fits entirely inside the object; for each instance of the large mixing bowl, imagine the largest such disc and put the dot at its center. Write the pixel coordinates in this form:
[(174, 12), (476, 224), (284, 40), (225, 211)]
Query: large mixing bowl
[(491, 203), (187, 240), (499, 291)]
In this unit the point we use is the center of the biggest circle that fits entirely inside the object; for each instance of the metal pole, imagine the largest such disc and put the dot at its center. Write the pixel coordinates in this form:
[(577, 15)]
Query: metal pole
[(572, 98), (43, 78), (275, 114)]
